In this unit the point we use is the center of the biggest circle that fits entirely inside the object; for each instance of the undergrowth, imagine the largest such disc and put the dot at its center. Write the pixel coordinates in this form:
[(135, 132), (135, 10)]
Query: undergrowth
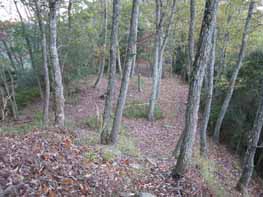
[(137, 109), (208, 170)]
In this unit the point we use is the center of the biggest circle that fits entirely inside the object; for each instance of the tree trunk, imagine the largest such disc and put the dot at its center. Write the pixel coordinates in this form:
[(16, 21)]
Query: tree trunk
[(45, 65), (104, 47), (191, 40), (199, 65), (161, 39), (105, 134), (208, 100), (226, 39), (127, 71), (69, 14), (157, 41), (253, 140), (59, 90), (119, 61), (9, 95), (230, 91)]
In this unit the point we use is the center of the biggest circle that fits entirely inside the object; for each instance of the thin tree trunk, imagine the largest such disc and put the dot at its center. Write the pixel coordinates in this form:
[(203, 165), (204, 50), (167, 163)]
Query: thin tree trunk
[(253, 140), (230, 91), (59, 90), (119, 61), (69, 14), (153, 97), (200, 63), (45, 65), (104, 47), (127, 71), (135, 51), (13, 104), (105, 134), (208, 101), (161, 39), (191, 40)]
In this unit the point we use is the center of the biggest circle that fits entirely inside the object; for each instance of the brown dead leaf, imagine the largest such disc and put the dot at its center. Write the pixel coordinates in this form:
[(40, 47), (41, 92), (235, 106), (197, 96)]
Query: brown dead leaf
[(68, 181), (51, 193)]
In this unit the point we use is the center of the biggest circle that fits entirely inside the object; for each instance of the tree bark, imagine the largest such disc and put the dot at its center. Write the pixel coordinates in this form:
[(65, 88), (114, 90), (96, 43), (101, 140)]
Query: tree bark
[(191, 40), (59, 89), (199, 65), (104, 47), (230, 91), (253, 139), (45, 65), (208, 100), (105, 134), (157, 42), (127, 71)]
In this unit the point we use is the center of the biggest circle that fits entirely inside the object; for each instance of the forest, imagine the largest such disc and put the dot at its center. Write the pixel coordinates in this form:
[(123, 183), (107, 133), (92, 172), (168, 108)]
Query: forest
[(125, 98)]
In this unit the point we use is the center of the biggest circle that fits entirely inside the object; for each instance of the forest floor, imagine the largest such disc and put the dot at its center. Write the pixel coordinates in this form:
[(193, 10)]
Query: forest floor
[(71, 162)]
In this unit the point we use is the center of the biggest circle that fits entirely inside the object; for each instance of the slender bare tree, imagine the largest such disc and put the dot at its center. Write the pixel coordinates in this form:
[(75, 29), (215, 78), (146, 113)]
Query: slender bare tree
[(104, 46), (45, 63), (208, 100), (191, 39), (59, 89), (232, 83), (127, 71), (199, 65), (161, 38), (105, 134)]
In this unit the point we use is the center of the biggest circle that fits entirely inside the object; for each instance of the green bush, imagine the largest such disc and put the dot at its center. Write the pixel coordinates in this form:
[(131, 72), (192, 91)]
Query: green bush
[(137, 109), (26, 96)]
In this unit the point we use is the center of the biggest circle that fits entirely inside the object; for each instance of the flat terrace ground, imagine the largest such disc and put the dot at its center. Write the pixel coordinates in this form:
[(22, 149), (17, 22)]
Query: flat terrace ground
[(91, 174)]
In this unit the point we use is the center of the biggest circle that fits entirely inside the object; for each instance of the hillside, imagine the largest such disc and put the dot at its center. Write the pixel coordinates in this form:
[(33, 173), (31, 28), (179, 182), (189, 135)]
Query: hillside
[(71, 162)]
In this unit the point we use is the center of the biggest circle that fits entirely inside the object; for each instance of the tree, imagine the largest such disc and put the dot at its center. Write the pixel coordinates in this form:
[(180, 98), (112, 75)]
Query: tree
[(104, 46), (199, 65), (253, 139), (127, 71), (191, 40), (105, 134), (59, 89), (234, 76), (161, 38), (45, 64), (208, 100)]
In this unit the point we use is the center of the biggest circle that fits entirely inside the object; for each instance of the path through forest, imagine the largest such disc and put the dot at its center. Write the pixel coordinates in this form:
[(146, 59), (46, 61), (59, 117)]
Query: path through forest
[(93, 174), (156, 140)]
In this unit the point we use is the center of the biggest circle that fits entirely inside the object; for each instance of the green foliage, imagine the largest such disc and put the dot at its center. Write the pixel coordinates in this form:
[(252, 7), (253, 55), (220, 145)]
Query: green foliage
[(126, 144), (20, 129), (94, 123), (242, 110), (26, 96), (208, 170), (138, 109), (91, 156)]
